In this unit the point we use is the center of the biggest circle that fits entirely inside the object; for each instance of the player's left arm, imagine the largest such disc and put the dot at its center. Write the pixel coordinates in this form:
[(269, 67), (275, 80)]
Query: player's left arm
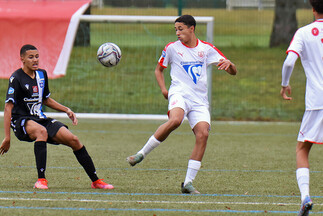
[(287, 70), (228, 66), (59, 107)]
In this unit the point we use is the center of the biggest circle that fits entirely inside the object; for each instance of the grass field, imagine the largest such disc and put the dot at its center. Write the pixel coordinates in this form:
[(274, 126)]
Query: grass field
[(248, 169)]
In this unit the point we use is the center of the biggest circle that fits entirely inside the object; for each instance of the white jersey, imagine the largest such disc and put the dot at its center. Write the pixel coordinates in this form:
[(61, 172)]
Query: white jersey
[(188, 68), (308, 45)]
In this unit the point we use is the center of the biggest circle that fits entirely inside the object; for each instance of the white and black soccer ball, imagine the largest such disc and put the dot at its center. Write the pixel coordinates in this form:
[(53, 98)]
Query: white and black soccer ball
[(109, 54)]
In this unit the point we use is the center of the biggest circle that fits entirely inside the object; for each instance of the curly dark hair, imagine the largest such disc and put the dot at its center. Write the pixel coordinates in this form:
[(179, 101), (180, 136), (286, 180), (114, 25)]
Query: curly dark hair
[(25, 48)]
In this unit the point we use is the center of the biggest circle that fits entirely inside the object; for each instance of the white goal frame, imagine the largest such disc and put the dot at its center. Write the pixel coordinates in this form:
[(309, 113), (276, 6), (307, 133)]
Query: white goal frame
[(209, 21)]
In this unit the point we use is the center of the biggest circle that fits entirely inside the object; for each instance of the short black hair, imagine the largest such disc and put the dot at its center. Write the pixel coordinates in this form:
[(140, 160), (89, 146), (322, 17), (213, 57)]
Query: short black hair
[(188, 20), (317, 5), (25, 48)]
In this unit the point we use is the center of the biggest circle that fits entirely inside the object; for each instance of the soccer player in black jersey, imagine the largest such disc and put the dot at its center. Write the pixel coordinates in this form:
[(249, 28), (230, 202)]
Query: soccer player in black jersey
[(27, 92)]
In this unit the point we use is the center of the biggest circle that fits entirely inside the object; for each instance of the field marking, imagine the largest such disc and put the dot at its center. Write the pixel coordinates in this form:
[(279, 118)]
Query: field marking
[(181, 133), (148, 210), (157, 169), (151, 201), (153, 210), (151, 194)]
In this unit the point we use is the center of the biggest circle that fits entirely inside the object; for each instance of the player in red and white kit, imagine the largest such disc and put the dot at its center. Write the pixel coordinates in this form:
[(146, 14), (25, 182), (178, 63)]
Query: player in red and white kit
[(308, 45), (187, 95)]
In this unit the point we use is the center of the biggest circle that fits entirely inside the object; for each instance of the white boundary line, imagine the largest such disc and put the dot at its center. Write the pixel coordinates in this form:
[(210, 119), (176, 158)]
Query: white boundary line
[(151, 117), (106, 116), (150, 201)]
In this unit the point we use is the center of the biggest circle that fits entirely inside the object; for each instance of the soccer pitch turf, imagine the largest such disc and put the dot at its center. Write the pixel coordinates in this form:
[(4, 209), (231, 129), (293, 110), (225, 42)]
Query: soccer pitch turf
[(248, 169)]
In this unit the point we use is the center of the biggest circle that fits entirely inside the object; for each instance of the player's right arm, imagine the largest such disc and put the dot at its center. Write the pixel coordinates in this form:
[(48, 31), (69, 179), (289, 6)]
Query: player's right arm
[(7, 121), (159, 73), (163, 61), (287, 70)]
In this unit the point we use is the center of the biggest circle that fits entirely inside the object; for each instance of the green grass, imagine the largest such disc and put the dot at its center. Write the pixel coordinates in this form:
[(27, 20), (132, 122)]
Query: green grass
[(244, 163)]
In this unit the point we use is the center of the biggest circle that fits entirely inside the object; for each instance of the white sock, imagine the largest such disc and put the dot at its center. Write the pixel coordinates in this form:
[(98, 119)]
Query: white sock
[(303, 180), (192, 169), (149, 146)]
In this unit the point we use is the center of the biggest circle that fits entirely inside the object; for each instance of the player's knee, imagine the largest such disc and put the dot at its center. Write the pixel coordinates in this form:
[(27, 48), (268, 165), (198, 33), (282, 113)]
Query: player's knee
[(75, 140), (74, 143), (175, 123), (41, 133), (203, 134)]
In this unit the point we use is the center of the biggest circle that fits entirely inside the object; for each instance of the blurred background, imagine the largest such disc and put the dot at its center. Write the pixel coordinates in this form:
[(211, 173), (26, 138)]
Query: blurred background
[(253, 34)]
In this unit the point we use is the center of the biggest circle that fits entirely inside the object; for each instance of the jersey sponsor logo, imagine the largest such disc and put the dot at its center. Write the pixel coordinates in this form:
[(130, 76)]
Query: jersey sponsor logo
[(11, 90), (194, 70), (35, 109), (31, 99), (35, 89), (315, 31)]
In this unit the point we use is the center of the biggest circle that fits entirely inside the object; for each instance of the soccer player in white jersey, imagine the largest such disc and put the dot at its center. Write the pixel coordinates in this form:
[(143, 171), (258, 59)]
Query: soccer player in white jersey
[(308, 45), (187, 95)]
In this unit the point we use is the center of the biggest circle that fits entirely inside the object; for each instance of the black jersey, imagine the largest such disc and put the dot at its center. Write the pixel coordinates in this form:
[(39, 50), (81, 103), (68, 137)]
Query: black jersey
[(27, 94)]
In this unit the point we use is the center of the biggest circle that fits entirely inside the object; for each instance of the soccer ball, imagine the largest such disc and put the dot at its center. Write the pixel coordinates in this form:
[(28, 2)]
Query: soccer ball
[(109, 54)]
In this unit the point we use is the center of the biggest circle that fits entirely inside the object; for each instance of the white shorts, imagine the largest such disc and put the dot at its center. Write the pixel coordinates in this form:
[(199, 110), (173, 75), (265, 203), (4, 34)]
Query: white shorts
[(194, 112), (311, 129)]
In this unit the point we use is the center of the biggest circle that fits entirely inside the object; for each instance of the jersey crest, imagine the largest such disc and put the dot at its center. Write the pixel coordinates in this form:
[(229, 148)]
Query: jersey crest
[(315, 31), (194, 71)]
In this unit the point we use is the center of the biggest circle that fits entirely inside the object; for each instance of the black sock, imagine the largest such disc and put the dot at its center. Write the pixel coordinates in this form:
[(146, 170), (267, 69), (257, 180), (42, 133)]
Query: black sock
[(86, 161), (40, 150)]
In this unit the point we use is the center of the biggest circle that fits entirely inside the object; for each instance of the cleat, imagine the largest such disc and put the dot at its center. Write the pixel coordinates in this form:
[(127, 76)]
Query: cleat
[(100, 184), (306, 206), (41, 184), (134, 159), (189, 189)]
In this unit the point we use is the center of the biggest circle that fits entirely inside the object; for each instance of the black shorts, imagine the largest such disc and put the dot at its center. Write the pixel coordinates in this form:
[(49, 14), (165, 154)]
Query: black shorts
[(51, 125)]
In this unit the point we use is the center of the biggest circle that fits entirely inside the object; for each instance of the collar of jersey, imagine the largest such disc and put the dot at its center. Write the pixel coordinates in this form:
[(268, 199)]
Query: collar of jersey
[(197, 43)]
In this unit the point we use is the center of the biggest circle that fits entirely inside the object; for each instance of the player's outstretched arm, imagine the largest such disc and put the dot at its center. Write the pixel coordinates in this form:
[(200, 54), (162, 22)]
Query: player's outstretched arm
[(59, 107), (228, 66), (7, 121), (159, 73)]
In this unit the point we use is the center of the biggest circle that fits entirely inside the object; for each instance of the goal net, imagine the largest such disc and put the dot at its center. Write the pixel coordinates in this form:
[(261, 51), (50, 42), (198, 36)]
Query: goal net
[(130, 88)]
